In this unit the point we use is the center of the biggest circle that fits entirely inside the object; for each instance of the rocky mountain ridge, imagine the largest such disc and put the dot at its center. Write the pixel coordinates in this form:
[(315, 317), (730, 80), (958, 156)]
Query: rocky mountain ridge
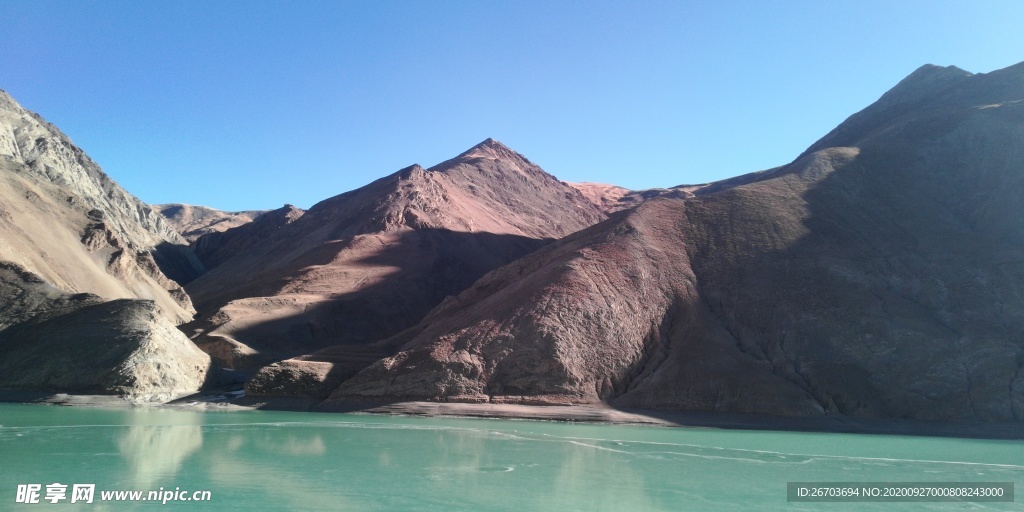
[(878, 275), (367, 263), (65, 220), (86, 304)]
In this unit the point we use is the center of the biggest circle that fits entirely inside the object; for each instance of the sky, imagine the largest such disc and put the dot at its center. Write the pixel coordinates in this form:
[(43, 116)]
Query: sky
[(255, 104)]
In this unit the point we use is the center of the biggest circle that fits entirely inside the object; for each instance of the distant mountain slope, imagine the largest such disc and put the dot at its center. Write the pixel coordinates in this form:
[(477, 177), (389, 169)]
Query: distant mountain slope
[(217, 247), (612, 198), (604, 196), (195, 221), (365, 264), (880, 274)]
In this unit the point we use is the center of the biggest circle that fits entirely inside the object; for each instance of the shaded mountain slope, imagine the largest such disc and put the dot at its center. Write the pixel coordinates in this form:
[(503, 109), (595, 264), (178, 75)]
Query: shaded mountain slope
[(880, 274), (216, 247), (363, 265)]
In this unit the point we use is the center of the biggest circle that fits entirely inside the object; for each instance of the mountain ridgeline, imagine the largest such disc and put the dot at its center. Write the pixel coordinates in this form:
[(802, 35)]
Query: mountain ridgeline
[(362, 266), (878, 275)]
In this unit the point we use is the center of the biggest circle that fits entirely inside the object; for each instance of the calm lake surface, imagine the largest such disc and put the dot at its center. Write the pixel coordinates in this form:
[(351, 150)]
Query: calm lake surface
[(258, 460)]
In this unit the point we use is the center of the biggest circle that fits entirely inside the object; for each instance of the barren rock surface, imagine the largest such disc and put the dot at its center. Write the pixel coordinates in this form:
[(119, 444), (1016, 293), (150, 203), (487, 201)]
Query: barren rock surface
[(604, 196), (878, 275), (64, 220), (54, 341), (87, 300), (38, 153), (366, 264), (216, 247)]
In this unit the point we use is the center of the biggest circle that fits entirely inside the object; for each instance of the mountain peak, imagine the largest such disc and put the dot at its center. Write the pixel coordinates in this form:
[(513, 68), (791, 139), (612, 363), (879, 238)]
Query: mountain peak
[(490, 143), (925, 82), (490, 148), (927, 85), (288, 212), (936, 70)]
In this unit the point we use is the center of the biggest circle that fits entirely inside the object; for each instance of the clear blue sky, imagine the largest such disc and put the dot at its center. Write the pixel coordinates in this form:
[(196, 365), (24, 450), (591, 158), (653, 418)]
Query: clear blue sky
[(249, 105)]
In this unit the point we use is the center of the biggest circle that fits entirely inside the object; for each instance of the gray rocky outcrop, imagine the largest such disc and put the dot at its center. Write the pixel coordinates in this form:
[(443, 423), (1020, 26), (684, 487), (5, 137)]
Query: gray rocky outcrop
[(65, 220), (88, 297), (78, 343)]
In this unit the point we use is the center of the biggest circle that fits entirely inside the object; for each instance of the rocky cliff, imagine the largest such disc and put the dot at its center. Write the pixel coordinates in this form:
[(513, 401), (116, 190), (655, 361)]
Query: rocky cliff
[(881, 274), (85, 265), (64, 219)]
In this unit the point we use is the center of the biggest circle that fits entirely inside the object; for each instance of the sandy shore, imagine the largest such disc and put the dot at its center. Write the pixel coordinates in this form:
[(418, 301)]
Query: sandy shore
[(574, 413)]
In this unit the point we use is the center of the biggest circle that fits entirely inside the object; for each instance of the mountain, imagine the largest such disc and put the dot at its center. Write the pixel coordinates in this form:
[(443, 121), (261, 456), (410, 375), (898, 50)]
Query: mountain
[(881, 274), (612, 198), (606, 197), (87, 273), (195, 221), (366, 264), (65, 220), (218, 246)]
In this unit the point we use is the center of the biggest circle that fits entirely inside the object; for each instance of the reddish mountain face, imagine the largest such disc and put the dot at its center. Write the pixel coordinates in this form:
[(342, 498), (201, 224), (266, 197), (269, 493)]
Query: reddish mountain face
[(877, 275), (366, 264)]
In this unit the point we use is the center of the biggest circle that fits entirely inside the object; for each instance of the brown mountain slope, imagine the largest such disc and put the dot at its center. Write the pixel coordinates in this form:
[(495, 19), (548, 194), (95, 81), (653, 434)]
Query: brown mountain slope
[(879, 274), (193, 222), (365, 264), (612, 198)]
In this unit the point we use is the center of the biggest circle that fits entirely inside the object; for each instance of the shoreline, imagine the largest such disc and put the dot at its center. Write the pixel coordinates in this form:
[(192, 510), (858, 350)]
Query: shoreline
[(561, 413)]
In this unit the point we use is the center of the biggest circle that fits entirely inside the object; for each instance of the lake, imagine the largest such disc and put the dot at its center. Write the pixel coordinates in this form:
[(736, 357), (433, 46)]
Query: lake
[(262, 460)]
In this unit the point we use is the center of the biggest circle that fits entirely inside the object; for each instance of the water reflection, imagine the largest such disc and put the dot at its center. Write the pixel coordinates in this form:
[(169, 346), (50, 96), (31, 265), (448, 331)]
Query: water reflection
[(531, 472), (279, 441), (291, 443), (157, 442), (281, 464), (299, 462), (586, 481)]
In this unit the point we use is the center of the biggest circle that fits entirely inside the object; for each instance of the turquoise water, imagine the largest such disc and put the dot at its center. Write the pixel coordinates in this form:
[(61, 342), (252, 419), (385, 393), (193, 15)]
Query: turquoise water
[(257, 460)]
